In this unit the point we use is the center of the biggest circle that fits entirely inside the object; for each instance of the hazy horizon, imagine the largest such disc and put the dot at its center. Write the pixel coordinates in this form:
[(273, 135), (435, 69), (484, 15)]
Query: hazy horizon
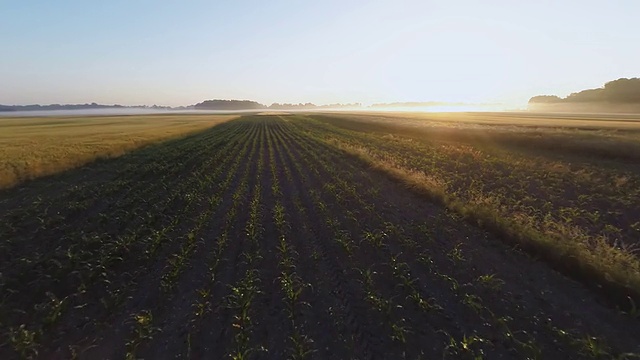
[(179, 54)]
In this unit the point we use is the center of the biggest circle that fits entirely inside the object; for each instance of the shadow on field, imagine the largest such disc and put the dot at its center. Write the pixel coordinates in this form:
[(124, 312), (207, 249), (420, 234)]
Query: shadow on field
[(98, 171)]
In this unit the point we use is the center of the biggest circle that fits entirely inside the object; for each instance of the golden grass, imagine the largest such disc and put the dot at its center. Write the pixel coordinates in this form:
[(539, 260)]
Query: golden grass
[(499, 119), (35, 147)]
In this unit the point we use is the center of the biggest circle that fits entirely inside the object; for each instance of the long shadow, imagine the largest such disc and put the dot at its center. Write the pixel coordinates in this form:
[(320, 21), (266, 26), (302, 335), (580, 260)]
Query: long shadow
[(105, 167), (57, 231)]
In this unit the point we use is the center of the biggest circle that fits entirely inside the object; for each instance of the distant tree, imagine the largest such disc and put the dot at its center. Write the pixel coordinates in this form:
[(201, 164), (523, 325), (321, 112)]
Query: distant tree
[(545, 99), (585, 96), (229, 105), (621, 91)]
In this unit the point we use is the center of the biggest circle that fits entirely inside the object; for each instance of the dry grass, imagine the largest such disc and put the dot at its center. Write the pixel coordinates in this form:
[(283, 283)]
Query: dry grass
[(35, 147), (512, 120), (610, 137)]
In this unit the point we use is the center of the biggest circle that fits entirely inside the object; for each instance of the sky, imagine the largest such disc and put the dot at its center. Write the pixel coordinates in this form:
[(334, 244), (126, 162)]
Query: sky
[(183, 52)]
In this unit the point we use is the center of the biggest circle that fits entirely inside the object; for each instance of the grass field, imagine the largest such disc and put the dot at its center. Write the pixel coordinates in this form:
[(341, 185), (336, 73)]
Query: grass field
[(333, 236), (35, 147)]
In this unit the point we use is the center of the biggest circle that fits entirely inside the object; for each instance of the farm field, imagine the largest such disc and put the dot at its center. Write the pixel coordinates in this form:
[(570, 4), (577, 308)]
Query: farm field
[(40, 146), (332, 236)]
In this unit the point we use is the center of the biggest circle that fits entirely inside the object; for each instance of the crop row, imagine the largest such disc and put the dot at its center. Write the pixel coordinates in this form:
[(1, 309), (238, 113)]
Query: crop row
[(467, 292), (81, 264)]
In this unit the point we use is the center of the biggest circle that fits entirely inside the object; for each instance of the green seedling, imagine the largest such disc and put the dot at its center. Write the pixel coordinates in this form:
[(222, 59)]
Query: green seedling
[(24, 341), (490, 281), (143, 330)]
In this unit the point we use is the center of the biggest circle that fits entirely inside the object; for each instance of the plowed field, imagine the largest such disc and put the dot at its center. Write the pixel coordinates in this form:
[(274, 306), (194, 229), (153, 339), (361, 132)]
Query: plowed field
[(263, 238)]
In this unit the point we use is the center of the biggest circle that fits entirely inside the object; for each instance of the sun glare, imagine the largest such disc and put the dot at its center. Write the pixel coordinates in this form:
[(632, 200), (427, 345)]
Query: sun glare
[(448, 108)]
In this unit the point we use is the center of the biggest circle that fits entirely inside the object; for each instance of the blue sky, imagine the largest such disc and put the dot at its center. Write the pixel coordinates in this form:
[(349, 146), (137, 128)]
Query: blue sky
[(183, 52)]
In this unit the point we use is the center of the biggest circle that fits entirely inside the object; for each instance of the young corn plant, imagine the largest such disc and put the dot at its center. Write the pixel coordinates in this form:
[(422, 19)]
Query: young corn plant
[(240, 300), (291, 286), (143, 330), (402, 273), (490, 282), (398, 328), (468, 346), (24, 341)]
